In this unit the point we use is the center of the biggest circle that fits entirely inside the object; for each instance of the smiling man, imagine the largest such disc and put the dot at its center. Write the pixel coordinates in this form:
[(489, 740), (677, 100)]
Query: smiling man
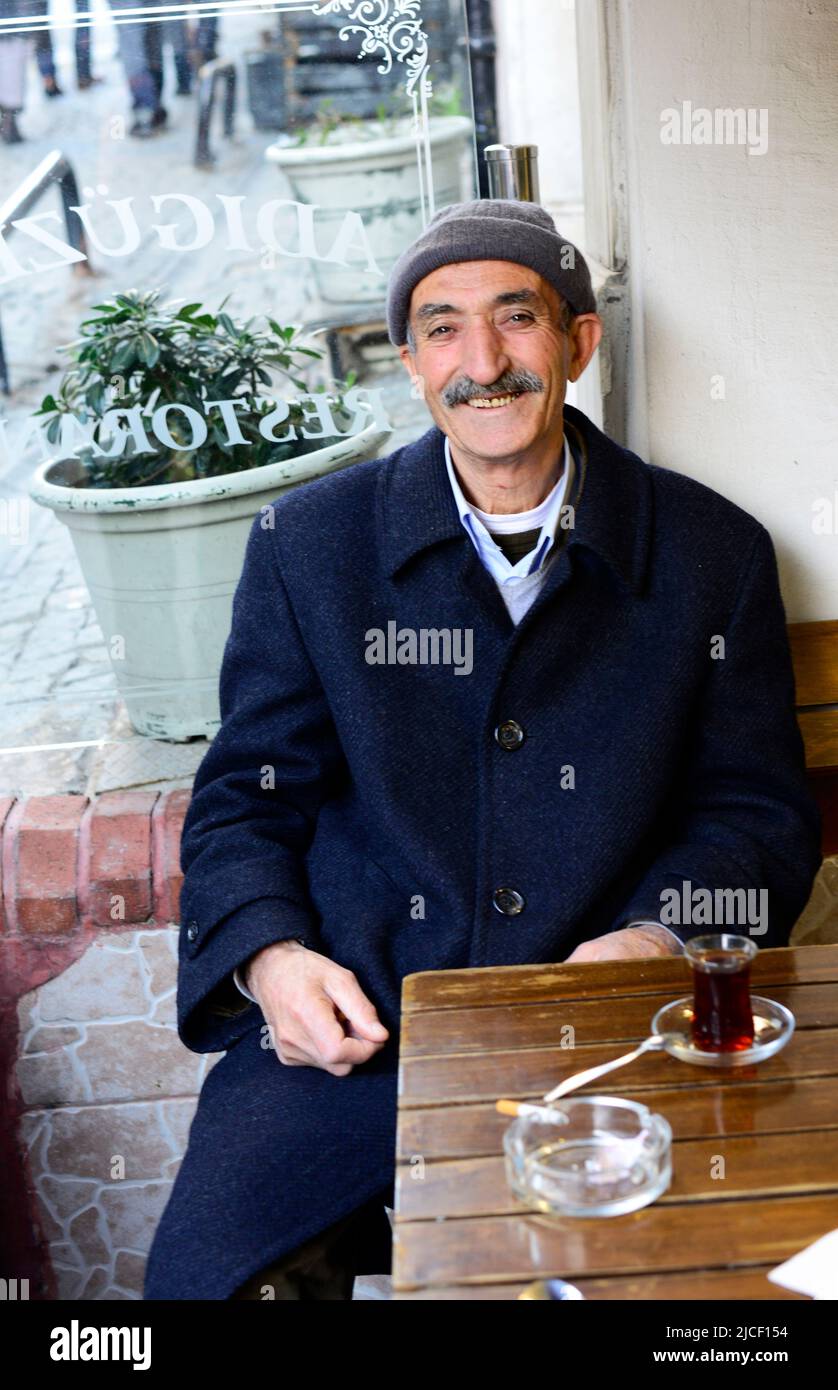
[(624, 735)]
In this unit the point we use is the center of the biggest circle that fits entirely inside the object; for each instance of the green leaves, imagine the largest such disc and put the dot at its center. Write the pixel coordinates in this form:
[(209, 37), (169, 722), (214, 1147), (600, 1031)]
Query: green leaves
[(95, 397), (134, 349), (124, 357), (149, 349), (286, 334)]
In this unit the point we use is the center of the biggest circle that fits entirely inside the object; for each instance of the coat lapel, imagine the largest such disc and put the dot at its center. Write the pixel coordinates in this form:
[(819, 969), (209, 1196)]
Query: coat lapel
[(614, 511), (613, 518), (419, 516)]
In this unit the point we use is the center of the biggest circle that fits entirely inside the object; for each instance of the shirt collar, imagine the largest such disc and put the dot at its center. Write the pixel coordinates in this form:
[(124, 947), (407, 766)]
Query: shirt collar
[(417, 511), (487, 547)]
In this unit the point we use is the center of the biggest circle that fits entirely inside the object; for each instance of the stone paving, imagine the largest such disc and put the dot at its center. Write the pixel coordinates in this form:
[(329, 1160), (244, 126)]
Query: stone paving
[(109, 1094)]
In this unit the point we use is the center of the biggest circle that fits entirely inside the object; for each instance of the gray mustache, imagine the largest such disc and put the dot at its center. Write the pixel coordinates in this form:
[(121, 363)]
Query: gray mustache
[(467, 390)]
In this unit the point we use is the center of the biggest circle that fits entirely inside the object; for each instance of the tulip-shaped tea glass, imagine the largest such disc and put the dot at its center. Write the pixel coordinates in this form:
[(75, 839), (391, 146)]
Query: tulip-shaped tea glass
[(723, 1019)]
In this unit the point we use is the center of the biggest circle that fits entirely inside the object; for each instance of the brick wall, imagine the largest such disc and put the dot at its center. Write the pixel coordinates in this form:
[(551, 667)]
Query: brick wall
[(100, 1091)]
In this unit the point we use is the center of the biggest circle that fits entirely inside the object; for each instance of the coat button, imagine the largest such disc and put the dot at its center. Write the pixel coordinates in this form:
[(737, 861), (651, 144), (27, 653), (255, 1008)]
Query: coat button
[(508, 901), (509, 734), (192, 931)]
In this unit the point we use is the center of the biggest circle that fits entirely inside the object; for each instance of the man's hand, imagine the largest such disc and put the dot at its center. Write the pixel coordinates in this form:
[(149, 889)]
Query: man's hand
[(628, 944), (317, 1012)]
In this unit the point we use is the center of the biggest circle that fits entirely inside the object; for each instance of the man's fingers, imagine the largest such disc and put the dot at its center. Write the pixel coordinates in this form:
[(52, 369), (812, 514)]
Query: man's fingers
[(320, 1015), (359, 1010), (631, 943), (327, 1038), (581, 953), (292, 1056)]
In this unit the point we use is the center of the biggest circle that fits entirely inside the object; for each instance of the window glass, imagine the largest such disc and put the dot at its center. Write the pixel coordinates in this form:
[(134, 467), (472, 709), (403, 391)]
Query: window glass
[(201, 206)]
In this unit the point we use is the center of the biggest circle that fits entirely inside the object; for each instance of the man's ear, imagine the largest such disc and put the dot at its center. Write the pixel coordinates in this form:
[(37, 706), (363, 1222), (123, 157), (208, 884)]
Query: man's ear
[(586, 333), (408, 360)]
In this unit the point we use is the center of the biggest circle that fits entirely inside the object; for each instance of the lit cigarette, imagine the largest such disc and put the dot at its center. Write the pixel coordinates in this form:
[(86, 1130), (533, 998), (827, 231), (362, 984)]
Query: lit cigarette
[(516, 1107)]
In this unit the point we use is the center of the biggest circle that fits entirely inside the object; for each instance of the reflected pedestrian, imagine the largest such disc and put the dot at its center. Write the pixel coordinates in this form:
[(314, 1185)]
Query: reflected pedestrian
[(202, 39), (44, 53), (139, 48), (192, 46), (15, 51), (84, 75)]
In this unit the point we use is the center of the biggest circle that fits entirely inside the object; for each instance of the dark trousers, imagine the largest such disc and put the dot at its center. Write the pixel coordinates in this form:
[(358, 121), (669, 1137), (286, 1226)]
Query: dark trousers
[(326, 1266), (43, 44)]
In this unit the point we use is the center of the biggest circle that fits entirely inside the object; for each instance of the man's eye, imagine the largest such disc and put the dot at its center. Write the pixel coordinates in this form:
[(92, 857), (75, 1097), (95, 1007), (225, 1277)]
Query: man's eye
[(521, 314), (441, 328)]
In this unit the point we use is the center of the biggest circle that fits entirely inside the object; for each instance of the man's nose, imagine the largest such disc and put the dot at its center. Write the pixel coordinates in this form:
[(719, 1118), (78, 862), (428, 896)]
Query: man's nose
[(484, 356)]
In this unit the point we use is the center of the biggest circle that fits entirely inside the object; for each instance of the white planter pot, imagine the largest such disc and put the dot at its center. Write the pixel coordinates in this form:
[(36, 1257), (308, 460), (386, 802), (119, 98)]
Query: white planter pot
[(379, 179), (162, 564)]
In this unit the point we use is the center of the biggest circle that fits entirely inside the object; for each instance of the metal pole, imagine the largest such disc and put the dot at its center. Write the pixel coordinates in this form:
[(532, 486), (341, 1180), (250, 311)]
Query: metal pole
[(208, 77), (481, 49), (53, 168), (512, 172)]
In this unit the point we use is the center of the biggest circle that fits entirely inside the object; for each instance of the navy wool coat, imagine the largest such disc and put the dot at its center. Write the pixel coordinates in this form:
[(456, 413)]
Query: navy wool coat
[(339, 794)]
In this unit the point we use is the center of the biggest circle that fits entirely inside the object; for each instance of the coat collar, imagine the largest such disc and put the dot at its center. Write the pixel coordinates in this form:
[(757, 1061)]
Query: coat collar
[(614, 507)]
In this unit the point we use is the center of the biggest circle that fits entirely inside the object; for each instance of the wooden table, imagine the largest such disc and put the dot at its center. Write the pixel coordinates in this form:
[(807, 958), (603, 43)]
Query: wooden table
[(471, 1036)]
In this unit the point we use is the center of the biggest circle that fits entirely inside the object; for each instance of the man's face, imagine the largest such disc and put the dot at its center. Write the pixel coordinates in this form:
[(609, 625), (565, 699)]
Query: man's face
[(493, 358)]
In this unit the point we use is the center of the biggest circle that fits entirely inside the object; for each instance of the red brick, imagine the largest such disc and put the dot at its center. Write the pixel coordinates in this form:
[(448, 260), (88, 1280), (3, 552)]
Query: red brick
[(45, 864), (6, 804), (119, 862), (166, 829)]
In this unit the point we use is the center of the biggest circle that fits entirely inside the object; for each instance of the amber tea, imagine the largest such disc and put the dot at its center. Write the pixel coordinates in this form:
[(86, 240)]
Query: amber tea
[(723, 1020)]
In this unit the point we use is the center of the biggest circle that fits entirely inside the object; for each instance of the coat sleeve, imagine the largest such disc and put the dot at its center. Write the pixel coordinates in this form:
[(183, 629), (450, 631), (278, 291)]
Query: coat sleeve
[(743, 816), (274, 761)]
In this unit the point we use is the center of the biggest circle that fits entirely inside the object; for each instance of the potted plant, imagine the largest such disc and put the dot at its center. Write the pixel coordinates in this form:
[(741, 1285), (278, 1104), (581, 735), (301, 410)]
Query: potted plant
[(170, 439), (379, 169)]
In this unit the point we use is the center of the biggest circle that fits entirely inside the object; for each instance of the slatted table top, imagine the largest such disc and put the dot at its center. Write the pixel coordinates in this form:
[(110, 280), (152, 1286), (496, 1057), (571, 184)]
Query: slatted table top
[(469, 1037)]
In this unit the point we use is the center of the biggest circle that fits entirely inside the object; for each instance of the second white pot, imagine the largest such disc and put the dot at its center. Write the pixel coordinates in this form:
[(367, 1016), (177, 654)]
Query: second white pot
[(384, 181)]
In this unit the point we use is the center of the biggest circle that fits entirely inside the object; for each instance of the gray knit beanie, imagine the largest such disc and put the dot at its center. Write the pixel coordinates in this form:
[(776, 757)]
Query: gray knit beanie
[(489, 229)]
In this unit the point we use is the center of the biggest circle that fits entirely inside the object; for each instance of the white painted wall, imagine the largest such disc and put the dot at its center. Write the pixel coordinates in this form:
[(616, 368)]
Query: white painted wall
[(538, 99), (538, 104), (730, 256), (732, 261)]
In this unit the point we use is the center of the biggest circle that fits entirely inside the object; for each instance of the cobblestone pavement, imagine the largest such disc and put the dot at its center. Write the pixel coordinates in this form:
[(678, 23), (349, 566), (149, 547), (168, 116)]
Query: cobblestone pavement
[(63, 726)]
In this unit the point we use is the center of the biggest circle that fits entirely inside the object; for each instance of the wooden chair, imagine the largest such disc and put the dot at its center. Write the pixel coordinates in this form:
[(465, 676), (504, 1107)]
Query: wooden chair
[(814, 650)]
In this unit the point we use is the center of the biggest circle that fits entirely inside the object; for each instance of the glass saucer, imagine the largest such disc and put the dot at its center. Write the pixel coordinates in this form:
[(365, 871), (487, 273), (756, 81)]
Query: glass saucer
[(773, 1026)]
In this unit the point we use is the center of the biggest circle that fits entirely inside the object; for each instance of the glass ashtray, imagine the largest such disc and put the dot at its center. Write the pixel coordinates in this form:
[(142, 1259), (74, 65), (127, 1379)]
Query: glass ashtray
[(600, 1156)]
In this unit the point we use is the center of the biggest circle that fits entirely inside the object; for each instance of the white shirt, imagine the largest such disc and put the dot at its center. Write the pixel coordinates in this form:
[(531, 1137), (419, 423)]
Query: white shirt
[(521, 583)]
